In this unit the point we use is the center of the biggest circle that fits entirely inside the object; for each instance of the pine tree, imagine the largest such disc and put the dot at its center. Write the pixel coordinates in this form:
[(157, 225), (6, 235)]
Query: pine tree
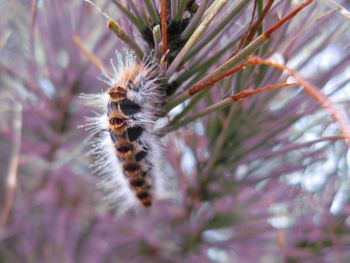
[(254, 122)]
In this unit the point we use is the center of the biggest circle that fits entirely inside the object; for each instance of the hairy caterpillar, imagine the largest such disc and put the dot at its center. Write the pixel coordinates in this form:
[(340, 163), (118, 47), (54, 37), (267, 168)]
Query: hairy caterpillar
[(129, 153), (128, 150)]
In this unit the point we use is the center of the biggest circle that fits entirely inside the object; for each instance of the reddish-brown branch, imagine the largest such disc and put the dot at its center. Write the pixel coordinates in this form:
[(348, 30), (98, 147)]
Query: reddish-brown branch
[(284, 19), (163, 14), (312, 91), (315, 93), (260, 20), (246, 33), (248, 92), (249, 34), (211, 81)]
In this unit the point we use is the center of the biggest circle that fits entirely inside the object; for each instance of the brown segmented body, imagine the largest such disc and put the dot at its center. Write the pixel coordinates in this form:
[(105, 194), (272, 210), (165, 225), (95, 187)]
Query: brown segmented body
[(118, 122), (125, 149), (128, 148)]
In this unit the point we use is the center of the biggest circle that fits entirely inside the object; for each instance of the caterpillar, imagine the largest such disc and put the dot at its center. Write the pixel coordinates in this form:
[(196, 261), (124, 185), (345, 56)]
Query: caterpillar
[(129, 153)]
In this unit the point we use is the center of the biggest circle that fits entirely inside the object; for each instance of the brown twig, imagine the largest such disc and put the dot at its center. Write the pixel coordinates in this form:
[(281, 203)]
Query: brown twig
[(250, 32), (212, 80), (305, 27), (248, 92), (246, 33), (163, 14), (260, 20), (13, 165), (287, 17), (313, 92), (225, 103)]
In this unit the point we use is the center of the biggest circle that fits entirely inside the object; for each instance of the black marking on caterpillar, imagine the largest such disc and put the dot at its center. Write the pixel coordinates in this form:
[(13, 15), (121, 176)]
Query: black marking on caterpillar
[(140, 155), (129, 153), (137, 182), (134, 133), (126, 106)]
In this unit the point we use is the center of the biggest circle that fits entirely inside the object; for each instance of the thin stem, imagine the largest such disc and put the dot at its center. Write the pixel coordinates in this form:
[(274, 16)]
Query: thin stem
[(249, 92), (215, 8), (225, 103), (260, 11), (203, 64), (293, 147), (231, 12), (187, 108), (115, 27), (157, 38), (210, 9), (139, 24), (260, 20), (337, 114), (274, 27), (210, 81), (174, 7), (250, 32), (202, 72), (242, 54), (180, 10), (342, 10), (33, 15), (194, 21), (219, 144), (152, 11), (249, 49), (163, 12), (217, 106), (203, 85), (142, 18), (13, 165), (89, 55), (245, 35)]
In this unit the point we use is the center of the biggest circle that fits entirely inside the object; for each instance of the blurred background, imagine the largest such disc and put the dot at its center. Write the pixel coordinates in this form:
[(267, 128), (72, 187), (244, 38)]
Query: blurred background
[(277, 190)]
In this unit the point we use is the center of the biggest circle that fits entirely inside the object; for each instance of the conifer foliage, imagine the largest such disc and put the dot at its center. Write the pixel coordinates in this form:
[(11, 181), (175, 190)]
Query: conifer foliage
[(174, 131)]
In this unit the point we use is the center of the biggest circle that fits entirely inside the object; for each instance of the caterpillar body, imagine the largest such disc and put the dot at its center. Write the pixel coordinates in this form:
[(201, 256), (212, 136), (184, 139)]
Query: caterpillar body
[(129, 152)]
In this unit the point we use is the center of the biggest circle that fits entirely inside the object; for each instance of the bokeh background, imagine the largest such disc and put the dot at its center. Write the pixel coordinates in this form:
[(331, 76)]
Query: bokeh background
[(279, 189)]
